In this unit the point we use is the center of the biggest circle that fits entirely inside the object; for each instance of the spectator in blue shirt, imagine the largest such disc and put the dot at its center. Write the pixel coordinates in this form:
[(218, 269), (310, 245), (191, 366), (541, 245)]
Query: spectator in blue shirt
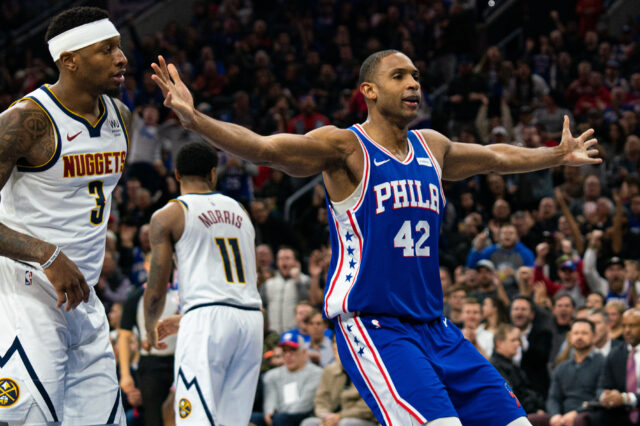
[(508, 250)]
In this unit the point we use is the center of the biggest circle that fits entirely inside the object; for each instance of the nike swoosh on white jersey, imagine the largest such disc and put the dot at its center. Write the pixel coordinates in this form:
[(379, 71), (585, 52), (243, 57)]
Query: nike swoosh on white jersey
[(379, 163)]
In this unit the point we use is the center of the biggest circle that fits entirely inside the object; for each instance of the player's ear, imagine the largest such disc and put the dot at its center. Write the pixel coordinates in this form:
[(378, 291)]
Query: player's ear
[(67, 61), (369, 90), (177, 175)]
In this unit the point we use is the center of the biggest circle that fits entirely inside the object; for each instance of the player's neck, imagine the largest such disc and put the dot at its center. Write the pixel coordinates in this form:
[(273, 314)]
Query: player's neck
[(195, 188), (388, 134), (75, 98)]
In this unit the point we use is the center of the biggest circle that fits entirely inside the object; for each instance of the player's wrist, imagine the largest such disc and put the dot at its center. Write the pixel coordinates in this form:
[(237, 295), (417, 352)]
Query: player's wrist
[(52, 257), (193, 119)]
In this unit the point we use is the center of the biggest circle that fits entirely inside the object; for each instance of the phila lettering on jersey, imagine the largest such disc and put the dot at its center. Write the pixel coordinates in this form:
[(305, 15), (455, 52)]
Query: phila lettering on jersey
[(67, 200), (385, 236), (216, 253)]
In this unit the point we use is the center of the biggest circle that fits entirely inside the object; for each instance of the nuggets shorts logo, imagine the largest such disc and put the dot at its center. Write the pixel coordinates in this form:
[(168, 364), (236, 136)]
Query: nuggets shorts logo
[(9, 392), (184, 405)]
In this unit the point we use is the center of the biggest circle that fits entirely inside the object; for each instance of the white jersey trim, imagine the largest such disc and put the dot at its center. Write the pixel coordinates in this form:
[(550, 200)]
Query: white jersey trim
[(348, 267), (354, 201), (407, 160), (435, 162)]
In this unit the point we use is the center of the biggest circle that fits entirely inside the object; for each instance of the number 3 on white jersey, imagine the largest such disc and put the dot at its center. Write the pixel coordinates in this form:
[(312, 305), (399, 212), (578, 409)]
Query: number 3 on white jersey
[(404, 239)]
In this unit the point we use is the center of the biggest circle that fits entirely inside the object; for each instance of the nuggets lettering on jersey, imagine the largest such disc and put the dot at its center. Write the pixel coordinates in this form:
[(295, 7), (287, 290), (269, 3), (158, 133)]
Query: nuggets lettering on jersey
[(216, 262), (86, 166), (382, 246), (98, 164)]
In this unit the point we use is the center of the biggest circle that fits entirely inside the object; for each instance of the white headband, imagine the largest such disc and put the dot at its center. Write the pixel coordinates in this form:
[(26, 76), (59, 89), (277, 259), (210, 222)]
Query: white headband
[(82, 36)]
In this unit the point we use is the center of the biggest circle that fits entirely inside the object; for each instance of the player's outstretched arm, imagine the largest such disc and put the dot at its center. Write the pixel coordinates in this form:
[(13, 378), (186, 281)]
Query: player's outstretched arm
[(297, 155), (462, 160), (165, 227), (25, 131)]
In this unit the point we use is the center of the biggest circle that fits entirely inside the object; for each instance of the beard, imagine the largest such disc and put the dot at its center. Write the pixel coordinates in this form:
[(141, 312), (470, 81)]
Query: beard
[(113, 92), (581, 346)]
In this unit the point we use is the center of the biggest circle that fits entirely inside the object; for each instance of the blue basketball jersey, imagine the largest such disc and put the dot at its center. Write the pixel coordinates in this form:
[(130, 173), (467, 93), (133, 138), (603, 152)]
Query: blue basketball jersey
[(385, 247)]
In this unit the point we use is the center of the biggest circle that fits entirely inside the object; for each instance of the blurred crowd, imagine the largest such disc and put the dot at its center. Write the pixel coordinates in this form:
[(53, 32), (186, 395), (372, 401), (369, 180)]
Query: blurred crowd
[(540, 270)]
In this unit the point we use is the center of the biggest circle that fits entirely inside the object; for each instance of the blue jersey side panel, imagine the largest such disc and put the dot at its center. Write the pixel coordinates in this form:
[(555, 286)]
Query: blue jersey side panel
[(385, 249)]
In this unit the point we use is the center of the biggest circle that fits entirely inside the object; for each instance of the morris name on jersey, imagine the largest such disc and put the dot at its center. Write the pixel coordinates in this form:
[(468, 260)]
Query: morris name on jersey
[(212, 217)]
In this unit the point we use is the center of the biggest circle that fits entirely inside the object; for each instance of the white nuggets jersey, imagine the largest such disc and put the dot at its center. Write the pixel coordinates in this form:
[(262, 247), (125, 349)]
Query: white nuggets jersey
[(67, 200), (216, 254)]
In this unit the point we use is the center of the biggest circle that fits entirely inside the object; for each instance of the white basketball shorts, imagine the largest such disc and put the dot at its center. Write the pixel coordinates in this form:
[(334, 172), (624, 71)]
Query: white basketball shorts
[(58, 363), (217, 364)]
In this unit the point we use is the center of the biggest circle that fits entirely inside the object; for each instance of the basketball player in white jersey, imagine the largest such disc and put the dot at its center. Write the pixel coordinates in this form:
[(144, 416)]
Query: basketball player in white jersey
[(62, 150), (219, 347)]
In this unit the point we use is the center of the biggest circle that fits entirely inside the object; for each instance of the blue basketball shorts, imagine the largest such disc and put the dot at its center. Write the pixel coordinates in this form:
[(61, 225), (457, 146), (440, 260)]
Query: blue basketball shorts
[(409, 371)]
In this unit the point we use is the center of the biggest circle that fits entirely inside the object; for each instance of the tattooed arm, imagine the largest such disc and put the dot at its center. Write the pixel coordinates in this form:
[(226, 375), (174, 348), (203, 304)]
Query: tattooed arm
[(26, 133), (166, 227)]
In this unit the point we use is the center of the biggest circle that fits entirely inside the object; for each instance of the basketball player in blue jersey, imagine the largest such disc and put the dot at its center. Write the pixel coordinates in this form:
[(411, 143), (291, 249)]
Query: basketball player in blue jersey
[(383, 291), (62, 150)]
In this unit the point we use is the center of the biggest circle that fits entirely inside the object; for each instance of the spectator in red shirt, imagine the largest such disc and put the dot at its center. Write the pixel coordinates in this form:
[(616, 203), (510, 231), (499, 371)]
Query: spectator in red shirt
[(597, 96), (571, 280), (209, 83), (589, 12), (580, 86), (308, 119)]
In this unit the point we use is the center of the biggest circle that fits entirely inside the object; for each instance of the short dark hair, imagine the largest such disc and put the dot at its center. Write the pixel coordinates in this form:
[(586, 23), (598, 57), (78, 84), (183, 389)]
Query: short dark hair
[(196, 159), (454, 289), (295, 256), (501, 332), (586, 321), (310, 315), (370, 65), (72, 18), (602, 312), (471, 301), (562, 294), (526, 299), (597, 293)]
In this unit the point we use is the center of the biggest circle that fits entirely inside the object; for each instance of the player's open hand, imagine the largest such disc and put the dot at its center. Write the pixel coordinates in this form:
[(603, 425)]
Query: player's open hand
[(176, 94), (580, 150), (68, 282), (168, 326), (152, 340)]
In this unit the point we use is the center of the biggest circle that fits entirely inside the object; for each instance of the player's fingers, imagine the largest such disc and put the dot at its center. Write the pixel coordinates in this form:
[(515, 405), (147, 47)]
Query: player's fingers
[(62, 297), (163, 67), (161, 77), (168, 100), (173, 72), (156, 71), (85, 289), (74, 295), (162, 345), (565, 125), (586, 134), (161, 84), (590, 143), (595, 160)]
